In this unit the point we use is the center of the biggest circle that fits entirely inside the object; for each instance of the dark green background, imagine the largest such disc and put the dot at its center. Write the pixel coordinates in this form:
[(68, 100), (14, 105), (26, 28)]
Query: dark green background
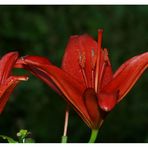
[(45, 30)]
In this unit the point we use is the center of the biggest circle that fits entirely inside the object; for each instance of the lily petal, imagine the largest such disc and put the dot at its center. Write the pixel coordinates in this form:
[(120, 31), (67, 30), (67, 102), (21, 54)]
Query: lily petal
[(37, 60), (80, 50), (127, 75), (7, 88), (67, 84), (6, 65), (90, 100), (19, 63)]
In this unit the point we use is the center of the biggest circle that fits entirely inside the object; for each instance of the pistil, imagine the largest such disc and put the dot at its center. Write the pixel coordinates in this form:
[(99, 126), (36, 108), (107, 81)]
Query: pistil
[(100, 33)]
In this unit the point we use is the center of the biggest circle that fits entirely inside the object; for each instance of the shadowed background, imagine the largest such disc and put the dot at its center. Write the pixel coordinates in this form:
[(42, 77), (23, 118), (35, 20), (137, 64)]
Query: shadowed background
[(44, 31)]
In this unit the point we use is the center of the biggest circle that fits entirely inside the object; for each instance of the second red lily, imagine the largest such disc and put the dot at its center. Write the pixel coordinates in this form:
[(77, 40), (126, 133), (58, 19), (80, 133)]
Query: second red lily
[(8, 81)]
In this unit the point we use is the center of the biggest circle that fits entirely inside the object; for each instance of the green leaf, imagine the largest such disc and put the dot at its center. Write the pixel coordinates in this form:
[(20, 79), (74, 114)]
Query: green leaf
[(10, 140), (22, 136), (23, 133)]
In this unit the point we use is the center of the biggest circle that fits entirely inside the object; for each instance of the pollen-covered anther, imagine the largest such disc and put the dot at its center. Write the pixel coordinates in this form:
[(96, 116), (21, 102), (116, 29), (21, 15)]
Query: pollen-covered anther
[(106, 59), (82, 59), (93, 59), (82, 62)]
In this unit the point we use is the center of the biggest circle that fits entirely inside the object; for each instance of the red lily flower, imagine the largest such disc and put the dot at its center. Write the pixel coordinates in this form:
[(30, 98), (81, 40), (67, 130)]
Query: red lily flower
[(86, 80), (7, 81)]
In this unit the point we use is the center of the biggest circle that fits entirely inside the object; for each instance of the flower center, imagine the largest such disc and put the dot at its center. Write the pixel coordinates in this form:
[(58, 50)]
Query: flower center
[(98, 61)]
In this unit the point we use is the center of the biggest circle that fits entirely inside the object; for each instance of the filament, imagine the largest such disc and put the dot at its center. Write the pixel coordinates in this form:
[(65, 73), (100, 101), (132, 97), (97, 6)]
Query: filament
[(82, 62)]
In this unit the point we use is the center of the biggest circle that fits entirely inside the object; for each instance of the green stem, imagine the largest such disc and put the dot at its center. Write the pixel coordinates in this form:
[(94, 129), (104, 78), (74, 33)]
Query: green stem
[(64, 139), (93, 136)]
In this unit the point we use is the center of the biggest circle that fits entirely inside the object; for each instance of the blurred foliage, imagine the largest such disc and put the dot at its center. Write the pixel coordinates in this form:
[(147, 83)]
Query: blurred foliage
[(45, 30), (22, 136)]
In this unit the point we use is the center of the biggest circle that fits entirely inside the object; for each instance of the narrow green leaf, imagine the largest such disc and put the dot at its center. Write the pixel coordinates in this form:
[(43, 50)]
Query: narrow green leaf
[(10, 140)]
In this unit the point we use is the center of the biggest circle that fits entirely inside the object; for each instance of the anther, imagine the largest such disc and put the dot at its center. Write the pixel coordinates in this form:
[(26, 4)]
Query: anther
[(106, 62), (93, 59), (106, 59), (82, 62), (93, 65)]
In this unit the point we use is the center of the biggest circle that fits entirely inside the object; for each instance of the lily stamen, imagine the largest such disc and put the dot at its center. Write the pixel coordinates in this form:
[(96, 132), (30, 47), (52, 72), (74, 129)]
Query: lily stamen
[(106, 56), (106, 62), (82, 62), (93, 82), (101, 74), (96, 76), (93, 65)]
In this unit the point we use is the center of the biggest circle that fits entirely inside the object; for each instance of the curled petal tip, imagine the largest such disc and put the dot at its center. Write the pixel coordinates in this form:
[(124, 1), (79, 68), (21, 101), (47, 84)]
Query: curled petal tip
[(22, 78), (36, 60), (25, 78), (106, 109)]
